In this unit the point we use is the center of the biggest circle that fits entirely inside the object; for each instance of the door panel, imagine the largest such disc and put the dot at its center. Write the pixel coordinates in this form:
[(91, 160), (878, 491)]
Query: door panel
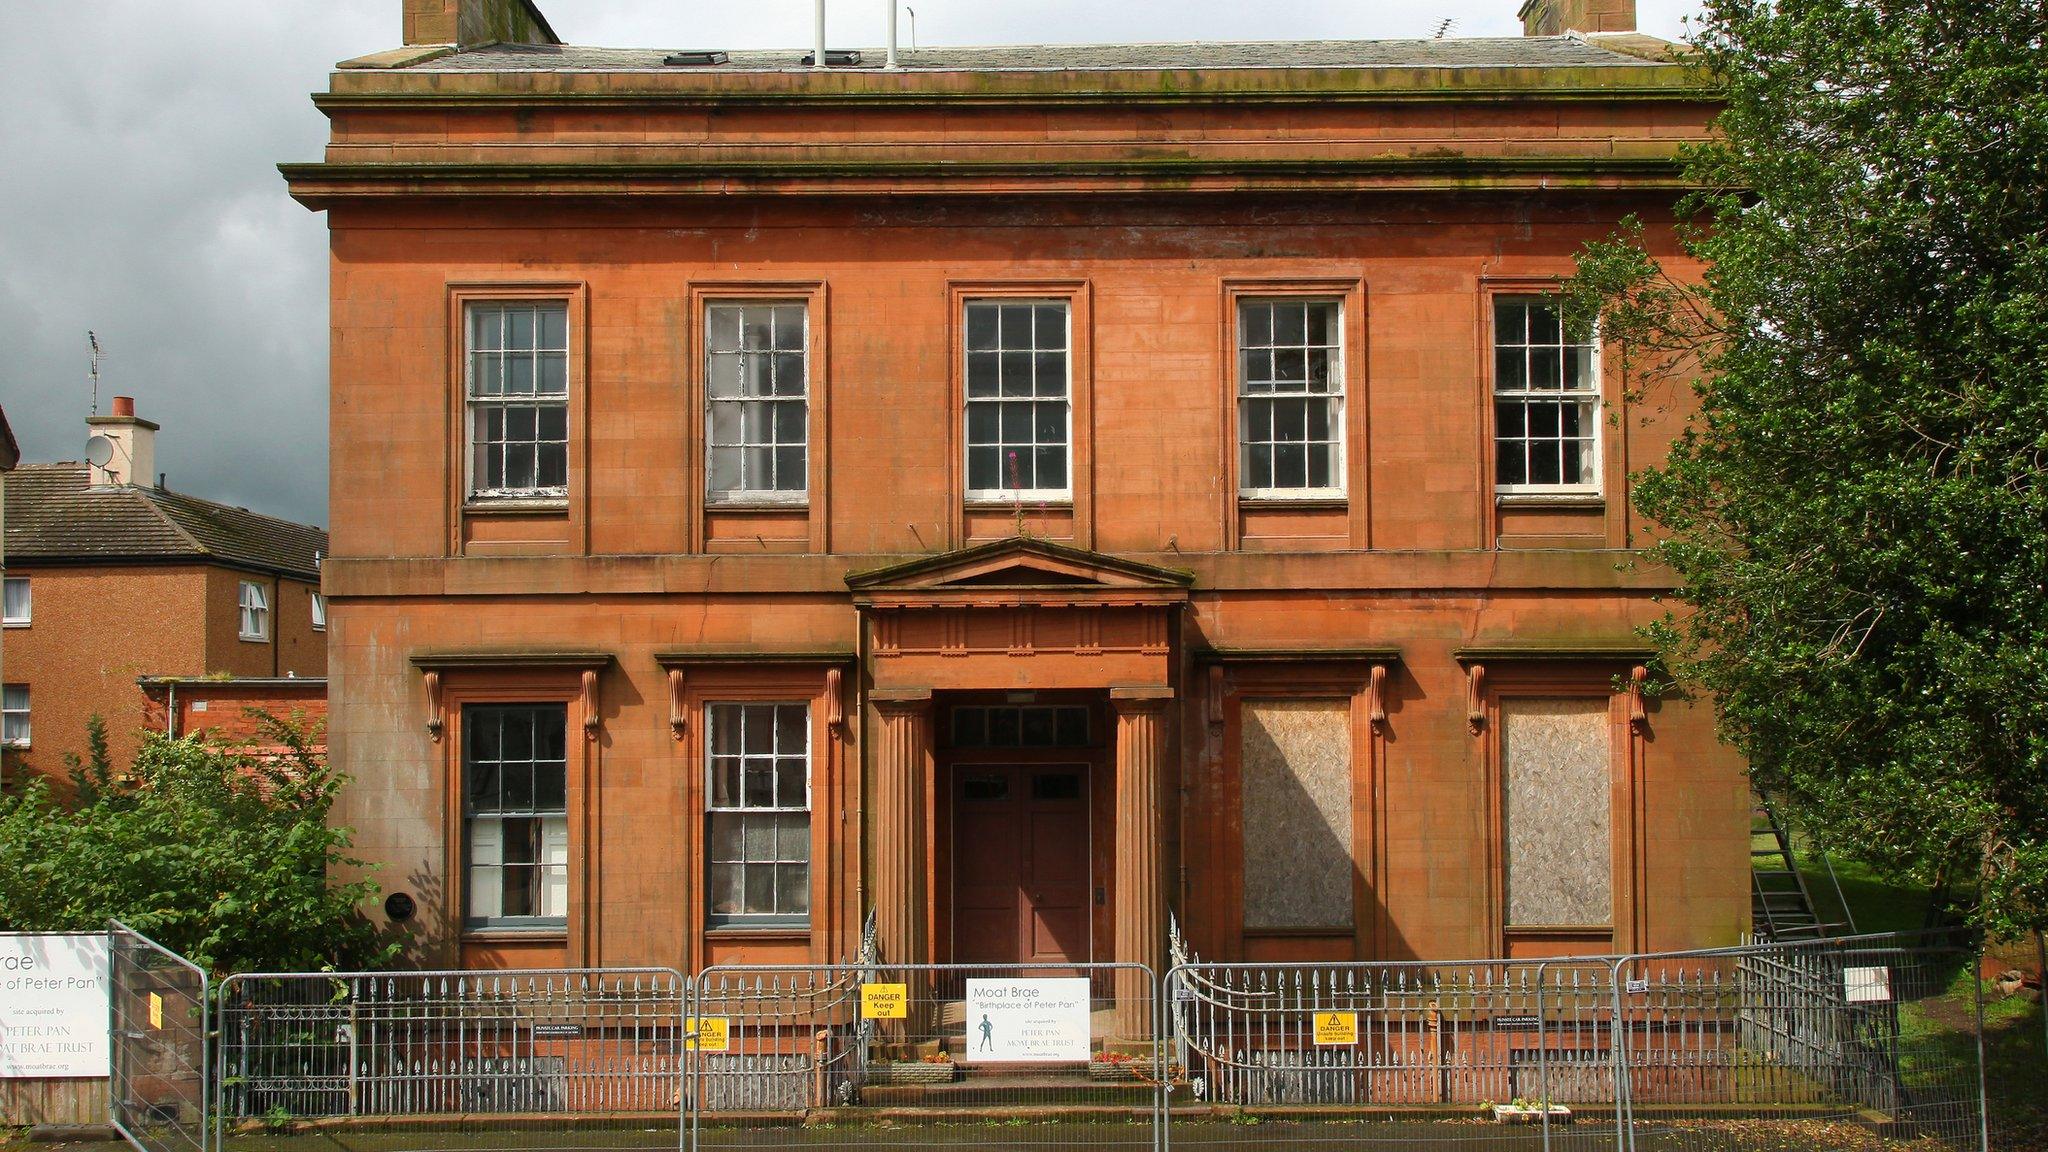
[(1020, 864)]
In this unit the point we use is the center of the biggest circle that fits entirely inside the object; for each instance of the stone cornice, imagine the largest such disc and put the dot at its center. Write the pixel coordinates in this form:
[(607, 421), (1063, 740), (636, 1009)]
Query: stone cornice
[(316, 184)]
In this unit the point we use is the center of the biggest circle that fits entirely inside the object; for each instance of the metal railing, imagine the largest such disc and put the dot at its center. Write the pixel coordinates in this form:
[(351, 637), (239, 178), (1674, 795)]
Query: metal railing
[(157, 1069), (897, 1055), (540, 1059), (1856, 1043)]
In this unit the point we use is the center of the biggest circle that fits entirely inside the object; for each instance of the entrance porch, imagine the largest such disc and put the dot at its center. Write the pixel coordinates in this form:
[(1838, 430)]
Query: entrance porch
[(1020, 698)]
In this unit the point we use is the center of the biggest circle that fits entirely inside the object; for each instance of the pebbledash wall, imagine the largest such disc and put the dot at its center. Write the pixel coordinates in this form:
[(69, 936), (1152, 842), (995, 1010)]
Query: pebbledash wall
[(1393, 716)]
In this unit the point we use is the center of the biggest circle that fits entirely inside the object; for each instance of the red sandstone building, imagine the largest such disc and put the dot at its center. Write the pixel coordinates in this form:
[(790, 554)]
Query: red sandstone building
[(112, 577), (1025, 492)]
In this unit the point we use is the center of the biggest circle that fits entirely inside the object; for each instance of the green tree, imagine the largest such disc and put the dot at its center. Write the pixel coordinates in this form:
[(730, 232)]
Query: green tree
[(218, 851), (1857, 517)]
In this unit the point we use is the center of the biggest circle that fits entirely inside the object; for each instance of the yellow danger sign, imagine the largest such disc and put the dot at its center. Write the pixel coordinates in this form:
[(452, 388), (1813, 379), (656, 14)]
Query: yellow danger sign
[(707, 1033), (1336, 1028), (156, 1010), (884, 1002)]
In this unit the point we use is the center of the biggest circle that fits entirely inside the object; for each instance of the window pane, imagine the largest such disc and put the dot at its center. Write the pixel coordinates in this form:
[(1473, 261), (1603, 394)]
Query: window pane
[(793, 889), (722, 329), (1290, 466), (793, 837), (725, 890), (981, 328), (760, 890), (18, 604), (725, 836), (1510, 322), (984, 469), (984, 373), (1051, 470)]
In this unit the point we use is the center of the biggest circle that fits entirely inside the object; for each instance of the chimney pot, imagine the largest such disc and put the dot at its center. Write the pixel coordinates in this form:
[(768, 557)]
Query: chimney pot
[(124, 405)]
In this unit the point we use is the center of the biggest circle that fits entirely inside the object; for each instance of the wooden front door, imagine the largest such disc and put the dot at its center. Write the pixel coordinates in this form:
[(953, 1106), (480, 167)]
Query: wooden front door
[(1020, 863)]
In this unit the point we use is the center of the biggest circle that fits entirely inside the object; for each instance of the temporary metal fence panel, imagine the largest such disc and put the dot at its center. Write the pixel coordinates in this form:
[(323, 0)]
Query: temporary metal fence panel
[(564, 1059), (1876, 1033), (157, 1097), (900, 1056), (1385, 1054)]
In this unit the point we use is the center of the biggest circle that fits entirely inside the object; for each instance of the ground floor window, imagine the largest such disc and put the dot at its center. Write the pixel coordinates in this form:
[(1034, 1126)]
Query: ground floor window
[(758, 769), (515, 775), (1297, 814), (14, 716), (1557, 812)]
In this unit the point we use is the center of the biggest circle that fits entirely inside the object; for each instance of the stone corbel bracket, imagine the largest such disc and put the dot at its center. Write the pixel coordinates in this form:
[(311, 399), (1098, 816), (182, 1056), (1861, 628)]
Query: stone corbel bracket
[(678, 715), (835, 706), (1376, 699), (437, 715), (590, 715), (1475, 698), (1638, 704)]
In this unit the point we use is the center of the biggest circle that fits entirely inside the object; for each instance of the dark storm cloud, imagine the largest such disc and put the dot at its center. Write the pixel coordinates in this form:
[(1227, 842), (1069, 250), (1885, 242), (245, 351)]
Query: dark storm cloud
[(139, 195)]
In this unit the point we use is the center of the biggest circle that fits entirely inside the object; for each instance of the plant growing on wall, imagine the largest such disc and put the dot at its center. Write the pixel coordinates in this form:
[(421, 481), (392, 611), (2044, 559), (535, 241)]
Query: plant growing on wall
[(218, 851), (1858, 518)]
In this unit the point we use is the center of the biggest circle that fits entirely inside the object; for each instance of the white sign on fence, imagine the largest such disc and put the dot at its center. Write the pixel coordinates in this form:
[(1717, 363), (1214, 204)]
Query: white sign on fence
[(1035, 1021), (1867, 985), (53, 1005)]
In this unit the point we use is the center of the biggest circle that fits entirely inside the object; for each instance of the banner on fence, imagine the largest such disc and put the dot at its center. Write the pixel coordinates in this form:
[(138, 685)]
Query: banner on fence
[(1027, 1021), (53, 1005)]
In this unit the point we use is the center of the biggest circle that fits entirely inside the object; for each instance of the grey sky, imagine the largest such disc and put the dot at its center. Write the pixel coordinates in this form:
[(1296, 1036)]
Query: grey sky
[(139, 197)]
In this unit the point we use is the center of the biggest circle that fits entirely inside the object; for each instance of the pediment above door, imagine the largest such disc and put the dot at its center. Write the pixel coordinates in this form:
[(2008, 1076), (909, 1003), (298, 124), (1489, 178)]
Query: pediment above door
[(1019, 571)]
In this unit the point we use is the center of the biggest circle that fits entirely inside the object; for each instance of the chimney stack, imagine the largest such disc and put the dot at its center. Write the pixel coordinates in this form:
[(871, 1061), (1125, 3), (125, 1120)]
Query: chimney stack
[(470, 23), (132, 443), (1557, 17)]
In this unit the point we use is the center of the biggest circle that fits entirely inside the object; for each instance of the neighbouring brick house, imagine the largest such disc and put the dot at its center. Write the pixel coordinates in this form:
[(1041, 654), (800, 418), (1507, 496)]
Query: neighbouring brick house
[(111, 578), (1025, 492)]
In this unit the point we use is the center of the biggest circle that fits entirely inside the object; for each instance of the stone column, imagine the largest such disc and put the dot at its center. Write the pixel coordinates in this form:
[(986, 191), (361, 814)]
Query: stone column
[(1142, 719), (902, 763)]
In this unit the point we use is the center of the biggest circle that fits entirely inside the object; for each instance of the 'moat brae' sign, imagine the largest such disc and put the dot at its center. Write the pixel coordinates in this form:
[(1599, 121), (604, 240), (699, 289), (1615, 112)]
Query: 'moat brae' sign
[(1033, 1021), (53, 1006)]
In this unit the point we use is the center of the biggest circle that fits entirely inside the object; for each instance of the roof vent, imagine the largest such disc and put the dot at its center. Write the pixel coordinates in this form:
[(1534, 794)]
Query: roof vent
[(834, 58), (695, 59)]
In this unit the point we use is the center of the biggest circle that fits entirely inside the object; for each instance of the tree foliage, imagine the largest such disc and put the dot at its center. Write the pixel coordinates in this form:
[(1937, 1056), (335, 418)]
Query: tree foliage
[(1857, 516), (217, 851)]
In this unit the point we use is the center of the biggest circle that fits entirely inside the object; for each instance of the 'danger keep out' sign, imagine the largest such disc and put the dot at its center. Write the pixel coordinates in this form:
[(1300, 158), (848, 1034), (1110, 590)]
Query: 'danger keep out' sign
[(1040, 1021), (53, 1005)]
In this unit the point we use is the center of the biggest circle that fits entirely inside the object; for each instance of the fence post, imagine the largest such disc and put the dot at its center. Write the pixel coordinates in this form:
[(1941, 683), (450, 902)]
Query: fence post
[(1983, 1097), (1542, 1056), (1618, 1037)]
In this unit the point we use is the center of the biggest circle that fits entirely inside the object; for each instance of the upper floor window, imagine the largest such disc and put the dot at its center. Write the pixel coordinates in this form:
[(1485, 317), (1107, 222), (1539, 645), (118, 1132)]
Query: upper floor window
[(18, 602), (515, 771), (1290, 389), (319, 603), (1546, 402), (759, 765), (254, 600), (1019, 410), (757, 392), (14, 715), (518, 398)]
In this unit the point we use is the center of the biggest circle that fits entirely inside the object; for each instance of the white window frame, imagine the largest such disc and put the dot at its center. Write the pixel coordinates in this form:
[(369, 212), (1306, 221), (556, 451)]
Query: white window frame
[(319, 609), (1587, 397), (1334, 397), (27, 601), (10, 715), (483, 831), (254, 624), (478, 404), (741, 403), (1061, 495), (717, 716)]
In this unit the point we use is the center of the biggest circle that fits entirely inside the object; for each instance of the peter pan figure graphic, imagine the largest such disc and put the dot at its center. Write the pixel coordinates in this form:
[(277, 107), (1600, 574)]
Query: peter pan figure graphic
[(988, 1035)]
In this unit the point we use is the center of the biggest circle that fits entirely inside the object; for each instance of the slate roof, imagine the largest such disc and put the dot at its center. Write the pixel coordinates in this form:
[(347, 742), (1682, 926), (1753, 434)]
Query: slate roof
[(55, 516), (1494, 52)]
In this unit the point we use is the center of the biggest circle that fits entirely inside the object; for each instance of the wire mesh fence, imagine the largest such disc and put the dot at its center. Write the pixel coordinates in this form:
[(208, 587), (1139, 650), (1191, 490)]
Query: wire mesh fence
[(896, 1056), (1845, 1044), (1849, 1044), (566, 1059), (1876, 1034), (157, 1067)]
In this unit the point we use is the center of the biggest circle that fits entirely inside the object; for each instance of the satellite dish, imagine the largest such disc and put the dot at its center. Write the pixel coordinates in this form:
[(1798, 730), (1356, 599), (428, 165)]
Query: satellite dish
[(99, 451)]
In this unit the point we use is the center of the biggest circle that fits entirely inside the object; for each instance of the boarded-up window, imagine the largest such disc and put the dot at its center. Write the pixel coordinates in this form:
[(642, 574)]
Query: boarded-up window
[(1297, 813), (1556, 812)]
